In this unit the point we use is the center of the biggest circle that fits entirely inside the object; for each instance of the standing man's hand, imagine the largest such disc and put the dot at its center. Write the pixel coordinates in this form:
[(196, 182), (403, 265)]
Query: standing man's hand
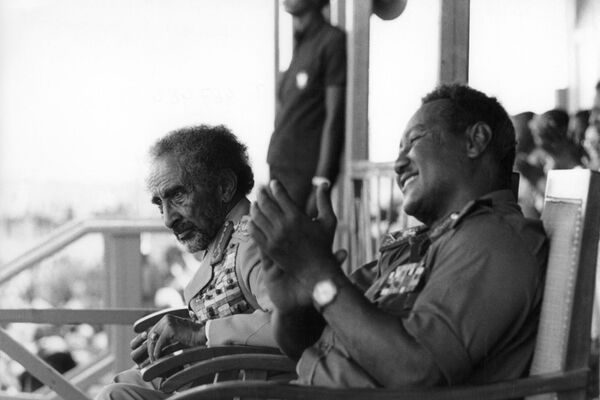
[(311, 203), (297, 244)]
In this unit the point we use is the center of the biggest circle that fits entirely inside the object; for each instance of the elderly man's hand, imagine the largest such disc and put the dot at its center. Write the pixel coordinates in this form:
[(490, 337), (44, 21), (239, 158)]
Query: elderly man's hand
[(297, 244), (169, 330)]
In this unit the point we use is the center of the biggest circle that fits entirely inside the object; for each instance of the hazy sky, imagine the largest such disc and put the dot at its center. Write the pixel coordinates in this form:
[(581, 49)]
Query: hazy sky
[(87, 85)]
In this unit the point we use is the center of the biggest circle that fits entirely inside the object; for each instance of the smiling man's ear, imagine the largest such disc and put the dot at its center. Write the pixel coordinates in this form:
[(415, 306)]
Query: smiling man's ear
[(227, 186), (479, 136)]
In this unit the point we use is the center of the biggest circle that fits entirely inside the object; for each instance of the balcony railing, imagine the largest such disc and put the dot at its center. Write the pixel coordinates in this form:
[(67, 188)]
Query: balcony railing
[(123, 297)]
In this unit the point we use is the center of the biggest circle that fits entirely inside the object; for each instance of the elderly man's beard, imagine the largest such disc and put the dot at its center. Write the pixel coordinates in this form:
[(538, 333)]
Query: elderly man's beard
[(213, 213)]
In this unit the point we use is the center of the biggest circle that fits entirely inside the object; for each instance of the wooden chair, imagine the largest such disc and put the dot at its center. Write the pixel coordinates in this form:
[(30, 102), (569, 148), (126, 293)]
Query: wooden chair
[(182, 365), (560, 365)]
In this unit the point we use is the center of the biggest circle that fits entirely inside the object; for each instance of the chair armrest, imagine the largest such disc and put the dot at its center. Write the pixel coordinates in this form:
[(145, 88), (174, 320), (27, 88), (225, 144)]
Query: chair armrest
[(547, 383), (262, 362), (165, 365), (149, 320)]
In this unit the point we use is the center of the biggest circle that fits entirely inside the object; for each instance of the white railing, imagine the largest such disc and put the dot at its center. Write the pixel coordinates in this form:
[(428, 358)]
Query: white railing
[(123, 295), (373, 208)]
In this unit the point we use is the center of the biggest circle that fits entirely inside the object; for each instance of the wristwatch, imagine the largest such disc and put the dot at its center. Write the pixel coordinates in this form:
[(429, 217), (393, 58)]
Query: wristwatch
[(324, 293), (320, 180)]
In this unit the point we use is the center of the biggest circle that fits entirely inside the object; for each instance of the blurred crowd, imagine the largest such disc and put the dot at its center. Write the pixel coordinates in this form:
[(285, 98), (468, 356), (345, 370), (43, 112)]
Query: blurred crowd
[(552, 140)]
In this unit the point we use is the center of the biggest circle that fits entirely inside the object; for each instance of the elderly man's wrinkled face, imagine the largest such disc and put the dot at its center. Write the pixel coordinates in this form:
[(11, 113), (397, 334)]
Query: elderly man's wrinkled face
[(194, 213)]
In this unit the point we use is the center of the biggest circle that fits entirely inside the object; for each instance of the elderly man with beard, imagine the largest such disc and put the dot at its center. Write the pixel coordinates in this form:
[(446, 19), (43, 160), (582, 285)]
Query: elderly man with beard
[(199, 179)]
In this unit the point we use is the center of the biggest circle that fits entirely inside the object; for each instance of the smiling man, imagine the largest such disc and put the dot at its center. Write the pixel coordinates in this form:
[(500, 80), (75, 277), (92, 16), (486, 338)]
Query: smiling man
[(453, 301), (199, 179)]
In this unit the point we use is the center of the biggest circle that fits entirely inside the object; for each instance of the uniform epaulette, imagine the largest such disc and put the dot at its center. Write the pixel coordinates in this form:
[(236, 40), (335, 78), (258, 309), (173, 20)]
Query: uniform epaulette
[(394, 238), (241, 231), (218, 251), (468, 209)]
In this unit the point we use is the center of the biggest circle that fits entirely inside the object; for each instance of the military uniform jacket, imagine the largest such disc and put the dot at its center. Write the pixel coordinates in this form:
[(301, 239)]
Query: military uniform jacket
[(234, 304), (468, 290)]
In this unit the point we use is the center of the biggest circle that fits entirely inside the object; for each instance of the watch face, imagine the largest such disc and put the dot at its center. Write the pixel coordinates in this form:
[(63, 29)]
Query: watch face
[(324, 292)]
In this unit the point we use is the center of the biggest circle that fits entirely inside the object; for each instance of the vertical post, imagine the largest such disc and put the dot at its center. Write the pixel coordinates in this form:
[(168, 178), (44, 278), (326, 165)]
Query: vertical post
[(276, 44), (357, 24), (358, 14), (572, 59), (454, 42), (124, 271)]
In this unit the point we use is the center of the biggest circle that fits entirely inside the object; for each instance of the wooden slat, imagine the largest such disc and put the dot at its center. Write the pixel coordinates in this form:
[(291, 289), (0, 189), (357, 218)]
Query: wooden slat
[(197, 354), (57, 316), (38, 368), (89, 376), (258, 362), (497, 391)]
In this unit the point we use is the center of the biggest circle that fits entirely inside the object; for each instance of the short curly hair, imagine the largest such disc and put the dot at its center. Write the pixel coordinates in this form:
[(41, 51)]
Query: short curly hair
[(469, 106), (203, 151)]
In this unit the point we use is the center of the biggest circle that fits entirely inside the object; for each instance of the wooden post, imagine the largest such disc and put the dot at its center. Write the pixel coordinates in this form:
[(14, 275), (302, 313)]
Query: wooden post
[(124, 272), (276, 44), (454, 42), (357, 24)]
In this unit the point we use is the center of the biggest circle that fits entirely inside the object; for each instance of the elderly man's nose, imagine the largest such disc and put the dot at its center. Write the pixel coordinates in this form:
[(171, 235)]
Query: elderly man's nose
[(170, 216)]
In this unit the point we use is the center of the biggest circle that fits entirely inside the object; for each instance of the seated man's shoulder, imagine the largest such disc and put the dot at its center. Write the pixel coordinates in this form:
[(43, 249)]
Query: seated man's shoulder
[(486, 227), (240, 230), (396, 238), (247, 251)]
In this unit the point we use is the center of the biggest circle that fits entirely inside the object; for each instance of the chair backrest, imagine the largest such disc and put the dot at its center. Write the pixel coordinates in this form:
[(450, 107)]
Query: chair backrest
[(571, 217)]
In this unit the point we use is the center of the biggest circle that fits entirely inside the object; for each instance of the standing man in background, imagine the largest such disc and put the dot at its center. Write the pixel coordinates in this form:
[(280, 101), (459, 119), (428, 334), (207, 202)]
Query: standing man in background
[(309, 124)]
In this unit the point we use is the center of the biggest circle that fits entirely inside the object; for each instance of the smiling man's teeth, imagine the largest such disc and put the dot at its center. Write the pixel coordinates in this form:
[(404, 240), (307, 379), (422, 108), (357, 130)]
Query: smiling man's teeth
[(412, 178)]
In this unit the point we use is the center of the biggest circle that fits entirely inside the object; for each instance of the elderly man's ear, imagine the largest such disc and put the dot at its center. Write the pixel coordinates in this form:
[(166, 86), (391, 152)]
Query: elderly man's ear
[(227, 186), (478, 138)]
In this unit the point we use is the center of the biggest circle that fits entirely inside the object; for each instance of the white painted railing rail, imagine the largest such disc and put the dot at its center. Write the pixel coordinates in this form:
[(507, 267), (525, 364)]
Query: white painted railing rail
[(69, 233)]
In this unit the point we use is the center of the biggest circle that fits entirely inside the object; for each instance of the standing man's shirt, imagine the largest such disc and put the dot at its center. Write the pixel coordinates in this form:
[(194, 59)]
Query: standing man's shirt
[(319, 61), (468, 290)]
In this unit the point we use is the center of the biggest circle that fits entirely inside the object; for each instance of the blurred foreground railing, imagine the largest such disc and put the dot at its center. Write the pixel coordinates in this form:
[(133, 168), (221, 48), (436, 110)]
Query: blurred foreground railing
[(374, 209), (123, 299)]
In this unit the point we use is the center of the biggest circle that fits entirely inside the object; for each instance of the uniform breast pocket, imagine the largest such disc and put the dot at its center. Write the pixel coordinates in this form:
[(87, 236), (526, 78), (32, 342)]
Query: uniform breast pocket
[(401, 288), (398, 304)]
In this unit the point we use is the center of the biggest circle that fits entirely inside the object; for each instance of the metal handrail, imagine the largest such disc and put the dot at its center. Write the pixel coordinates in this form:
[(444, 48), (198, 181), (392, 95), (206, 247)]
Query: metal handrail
[(70, 232)]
